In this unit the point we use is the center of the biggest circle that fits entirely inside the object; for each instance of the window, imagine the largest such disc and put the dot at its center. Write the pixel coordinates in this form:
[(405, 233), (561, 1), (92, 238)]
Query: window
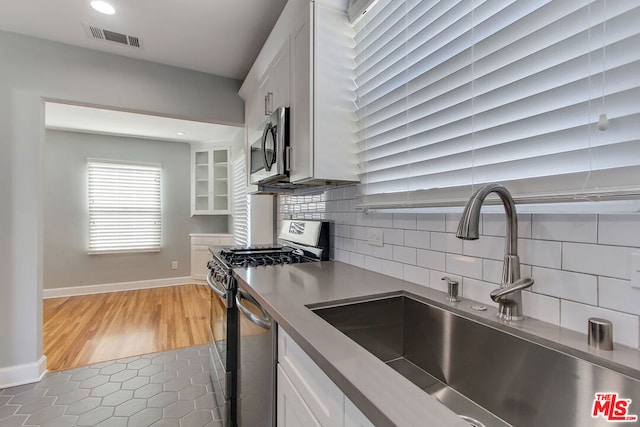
[(240, 203), (539, 95), (124, 207)]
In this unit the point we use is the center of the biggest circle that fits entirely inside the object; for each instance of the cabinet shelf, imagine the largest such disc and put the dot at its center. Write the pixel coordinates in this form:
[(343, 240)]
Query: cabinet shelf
[(210, 180)]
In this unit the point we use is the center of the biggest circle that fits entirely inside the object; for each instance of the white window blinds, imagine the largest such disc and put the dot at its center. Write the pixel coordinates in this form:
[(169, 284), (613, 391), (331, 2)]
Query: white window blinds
[(124, 207), (240, 206), (453, 94)]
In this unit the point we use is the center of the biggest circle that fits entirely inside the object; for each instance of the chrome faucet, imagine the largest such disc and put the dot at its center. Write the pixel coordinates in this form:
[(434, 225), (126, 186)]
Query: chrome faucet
[(508, 295)]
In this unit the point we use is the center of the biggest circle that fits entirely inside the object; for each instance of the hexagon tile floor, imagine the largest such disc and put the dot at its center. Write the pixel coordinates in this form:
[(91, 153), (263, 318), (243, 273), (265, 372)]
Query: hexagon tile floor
[(169, 389)]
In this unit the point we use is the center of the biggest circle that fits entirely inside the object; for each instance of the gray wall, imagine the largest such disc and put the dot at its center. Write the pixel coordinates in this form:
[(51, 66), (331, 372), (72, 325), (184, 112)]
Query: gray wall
[(33, 70), (66, 262)]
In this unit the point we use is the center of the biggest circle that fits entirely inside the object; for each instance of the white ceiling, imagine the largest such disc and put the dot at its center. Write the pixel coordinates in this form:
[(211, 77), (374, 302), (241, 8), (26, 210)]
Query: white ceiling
[(97, 120), (221, 37)]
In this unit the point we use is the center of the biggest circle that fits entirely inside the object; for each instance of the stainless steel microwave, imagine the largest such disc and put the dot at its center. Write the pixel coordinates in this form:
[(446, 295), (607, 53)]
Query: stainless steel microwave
[(269, 157)]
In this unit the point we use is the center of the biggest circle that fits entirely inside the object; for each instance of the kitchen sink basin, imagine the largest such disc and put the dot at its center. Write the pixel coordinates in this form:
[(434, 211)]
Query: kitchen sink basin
[(477, 370)]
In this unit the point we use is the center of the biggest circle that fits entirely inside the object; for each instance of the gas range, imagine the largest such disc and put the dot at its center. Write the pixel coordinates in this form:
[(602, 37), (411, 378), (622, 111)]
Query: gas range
[(236, 380), (302, 241), (257, 256)]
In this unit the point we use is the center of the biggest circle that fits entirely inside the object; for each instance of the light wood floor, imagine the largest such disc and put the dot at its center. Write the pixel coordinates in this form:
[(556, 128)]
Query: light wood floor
[(88, 329)]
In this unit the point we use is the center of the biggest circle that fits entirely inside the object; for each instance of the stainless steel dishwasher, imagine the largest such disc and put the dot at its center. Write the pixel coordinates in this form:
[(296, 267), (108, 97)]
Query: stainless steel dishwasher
[(257, 339)]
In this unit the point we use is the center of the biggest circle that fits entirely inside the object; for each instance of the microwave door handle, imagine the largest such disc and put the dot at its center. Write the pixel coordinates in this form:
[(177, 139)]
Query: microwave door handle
[(263, 148)]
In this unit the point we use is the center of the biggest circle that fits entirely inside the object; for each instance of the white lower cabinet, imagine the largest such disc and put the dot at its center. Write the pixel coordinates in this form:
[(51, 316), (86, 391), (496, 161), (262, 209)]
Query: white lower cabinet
[(292, 410), (200, 254), (305, 394)]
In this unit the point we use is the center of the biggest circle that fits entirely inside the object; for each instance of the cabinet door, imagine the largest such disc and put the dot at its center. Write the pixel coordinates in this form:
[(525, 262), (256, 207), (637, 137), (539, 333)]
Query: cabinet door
[(280, 72), (291, 409), (210, 183), (220, 184), (201, 168), (200, 256), (301, 98), (323, 398)]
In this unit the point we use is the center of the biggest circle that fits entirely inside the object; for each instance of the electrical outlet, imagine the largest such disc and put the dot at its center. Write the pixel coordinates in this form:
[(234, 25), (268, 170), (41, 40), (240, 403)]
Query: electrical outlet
[(374, 237), (174, 265)]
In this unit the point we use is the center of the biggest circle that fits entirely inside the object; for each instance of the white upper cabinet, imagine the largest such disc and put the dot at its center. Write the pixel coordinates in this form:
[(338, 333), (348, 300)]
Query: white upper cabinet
[(307, 64), (210, 181)]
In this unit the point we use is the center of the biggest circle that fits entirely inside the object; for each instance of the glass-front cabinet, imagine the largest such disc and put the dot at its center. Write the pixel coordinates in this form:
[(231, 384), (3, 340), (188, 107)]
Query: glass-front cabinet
[(210, 193)]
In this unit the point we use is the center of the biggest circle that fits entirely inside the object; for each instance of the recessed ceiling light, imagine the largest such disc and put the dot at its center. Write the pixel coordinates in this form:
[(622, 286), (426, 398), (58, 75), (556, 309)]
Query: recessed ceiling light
[(180, 133), (103, 7)]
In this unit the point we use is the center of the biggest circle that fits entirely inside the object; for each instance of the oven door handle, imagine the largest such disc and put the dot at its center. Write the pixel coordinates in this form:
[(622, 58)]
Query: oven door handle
[(264, 322), (214, 287)]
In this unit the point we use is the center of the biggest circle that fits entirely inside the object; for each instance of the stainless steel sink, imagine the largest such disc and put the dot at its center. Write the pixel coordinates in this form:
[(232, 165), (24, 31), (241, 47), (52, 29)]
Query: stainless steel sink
[(476, 370)]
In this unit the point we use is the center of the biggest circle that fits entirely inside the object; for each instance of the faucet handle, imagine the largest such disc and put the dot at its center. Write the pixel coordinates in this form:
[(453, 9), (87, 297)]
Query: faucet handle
[(452, 294), (518, 285)]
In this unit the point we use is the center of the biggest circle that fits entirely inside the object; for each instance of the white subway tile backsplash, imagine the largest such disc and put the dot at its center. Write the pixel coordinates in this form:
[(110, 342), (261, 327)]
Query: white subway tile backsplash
[(392, 268), (609, 261), (492, 271), (566, 285), (479, 291), (575, 316), (446, 242), (373, 264), (566, 228), (495, 224), (385, 251), (618, 295), (431, 221), (464, 266), (344, 205), (431, 259), (416, 275), (364, 248), (406, 221), (540, 253), (451, 222), (580, 262), (357, 232), (393, 236), (541, 307), (382, 220), (341, 255), (356, 259), (619, 230), (417, 239), (485, 247), (350, 245), (404, 255), (343, 230)]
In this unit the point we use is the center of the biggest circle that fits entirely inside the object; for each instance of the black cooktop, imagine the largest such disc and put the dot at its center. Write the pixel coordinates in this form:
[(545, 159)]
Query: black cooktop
[(264, 255)]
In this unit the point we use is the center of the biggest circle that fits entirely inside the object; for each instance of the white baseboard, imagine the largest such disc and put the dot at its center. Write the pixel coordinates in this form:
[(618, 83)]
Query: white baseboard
[(23, 374), (116, 287)]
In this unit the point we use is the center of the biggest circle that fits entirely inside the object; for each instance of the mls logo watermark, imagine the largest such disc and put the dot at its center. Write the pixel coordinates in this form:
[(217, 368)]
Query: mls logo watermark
[(612, 408)]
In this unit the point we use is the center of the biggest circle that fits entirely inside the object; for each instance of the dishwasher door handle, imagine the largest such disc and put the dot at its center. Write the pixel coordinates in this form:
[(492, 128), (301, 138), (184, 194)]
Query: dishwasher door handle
[(264, 322)]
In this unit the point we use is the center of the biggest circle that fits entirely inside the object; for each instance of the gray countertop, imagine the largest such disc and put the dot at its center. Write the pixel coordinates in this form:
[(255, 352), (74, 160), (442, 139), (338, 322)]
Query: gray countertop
[(384, 396)]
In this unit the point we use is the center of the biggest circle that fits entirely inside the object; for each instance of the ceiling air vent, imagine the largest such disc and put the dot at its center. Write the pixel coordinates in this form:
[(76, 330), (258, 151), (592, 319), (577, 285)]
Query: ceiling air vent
[(112, 36)]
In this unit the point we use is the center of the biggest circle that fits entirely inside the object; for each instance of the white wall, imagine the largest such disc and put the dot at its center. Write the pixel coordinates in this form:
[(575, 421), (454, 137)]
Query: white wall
[(580, 263), (33, 70)]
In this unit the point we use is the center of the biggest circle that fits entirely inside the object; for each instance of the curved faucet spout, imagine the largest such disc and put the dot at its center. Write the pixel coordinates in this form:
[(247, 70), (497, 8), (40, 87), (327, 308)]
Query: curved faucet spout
[(468, 229)]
